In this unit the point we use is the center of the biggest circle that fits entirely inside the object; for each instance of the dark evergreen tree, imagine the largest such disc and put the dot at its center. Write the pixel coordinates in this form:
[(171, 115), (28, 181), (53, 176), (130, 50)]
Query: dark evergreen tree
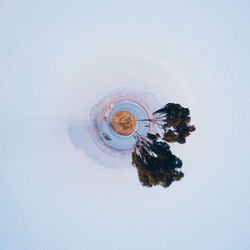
[(173, 120), (155, 163)]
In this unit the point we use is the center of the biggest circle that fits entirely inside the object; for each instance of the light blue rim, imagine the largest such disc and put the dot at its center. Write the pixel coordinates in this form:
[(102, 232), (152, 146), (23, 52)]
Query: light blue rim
[(120, 142)]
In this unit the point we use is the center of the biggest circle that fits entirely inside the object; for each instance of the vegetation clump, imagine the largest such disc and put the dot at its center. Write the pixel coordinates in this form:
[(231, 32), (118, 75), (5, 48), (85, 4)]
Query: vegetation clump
[(155, 163)]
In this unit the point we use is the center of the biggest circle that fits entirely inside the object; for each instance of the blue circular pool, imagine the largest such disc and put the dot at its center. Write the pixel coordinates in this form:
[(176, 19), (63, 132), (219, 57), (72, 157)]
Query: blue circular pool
[(120, 142)]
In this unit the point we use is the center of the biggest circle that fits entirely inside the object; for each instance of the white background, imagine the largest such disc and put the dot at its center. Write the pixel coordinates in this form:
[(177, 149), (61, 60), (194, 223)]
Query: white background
[(58, 58)]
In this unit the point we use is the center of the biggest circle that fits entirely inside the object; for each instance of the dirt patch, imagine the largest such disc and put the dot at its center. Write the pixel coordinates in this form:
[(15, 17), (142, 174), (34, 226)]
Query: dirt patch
[(123, 123)]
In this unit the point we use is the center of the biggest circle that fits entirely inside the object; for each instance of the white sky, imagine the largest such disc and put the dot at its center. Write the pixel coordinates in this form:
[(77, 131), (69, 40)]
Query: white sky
[(57, 59)]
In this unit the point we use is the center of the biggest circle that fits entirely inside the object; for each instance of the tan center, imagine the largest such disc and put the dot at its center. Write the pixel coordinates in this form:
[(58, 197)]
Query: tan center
[(123, 123)]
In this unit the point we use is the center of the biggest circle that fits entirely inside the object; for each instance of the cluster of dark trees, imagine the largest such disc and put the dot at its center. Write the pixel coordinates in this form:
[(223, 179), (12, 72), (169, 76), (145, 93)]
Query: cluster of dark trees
[(155, 163)]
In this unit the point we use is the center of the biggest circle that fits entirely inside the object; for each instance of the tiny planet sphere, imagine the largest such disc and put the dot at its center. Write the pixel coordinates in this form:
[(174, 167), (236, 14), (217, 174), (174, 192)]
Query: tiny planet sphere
[(118, 116), (123, 123)]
